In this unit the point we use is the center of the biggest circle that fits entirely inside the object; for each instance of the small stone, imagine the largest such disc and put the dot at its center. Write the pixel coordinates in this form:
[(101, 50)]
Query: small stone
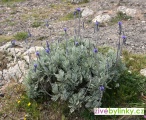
[(143, 72), (121, 9), (76, 1), (143, 21)]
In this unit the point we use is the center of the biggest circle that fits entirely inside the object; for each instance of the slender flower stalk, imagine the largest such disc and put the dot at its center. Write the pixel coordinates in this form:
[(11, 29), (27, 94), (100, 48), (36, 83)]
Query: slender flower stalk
[(48, 46), (13, 44), (96, 28), (49, 28), (123, 43), (29, 34), (75, 31), (26, 41), (119, 41), (65, 30), (79, 12)]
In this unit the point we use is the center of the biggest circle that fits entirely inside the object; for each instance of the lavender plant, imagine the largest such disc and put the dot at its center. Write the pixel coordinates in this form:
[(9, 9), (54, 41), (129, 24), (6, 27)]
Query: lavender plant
[(80, 77)]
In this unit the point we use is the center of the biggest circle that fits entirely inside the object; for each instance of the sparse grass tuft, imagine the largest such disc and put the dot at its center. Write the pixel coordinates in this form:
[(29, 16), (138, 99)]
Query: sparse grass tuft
[(17, 105), (11, 1), (82, 2), (69, 16), (134, 62), (120, 16), (21, 35), (36, 24), (4, 38)]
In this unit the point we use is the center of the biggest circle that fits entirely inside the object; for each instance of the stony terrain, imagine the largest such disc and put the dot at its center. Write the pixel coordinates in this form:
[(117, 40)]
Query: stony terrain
[(32, 15)]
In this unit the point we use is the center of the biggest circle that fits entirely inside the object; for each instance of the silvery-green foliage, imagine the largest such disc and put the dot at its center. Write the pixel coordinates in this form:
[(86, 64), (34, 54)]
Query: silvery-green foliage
[(73, 73)]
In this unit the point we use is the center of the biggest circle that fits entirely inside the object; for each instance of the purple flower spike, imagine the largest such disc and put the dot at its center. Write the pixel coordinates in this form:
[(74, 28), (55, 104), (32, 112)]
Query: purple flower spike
[(95, 50), (124, 39), (76, 43), (78, 9), (35, 67), (47, 23), (119, 23), (97, 23), (37, 54), (48, 51), (13, 42), (101, 88), (65, 29)]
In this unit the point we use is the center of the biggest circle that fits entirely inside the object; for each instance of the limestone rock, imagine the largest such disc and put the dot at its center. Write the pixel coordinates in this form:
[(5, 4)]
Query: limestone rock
[(129, 11), (15, 51), (32, 50), (14, 72), (4, 47), (87, 12), (102, 18)]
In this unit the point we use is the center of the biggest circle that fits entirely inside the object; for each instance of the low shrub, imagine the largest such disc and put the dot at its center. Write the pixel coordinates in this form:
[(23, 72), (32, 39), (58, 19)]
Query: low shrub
[(73, 71)]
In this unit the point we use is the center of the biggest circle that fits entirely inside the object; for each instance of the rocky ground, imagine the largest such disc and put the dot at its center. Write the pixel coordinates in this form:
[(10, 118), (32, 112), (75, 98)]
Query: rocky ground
[(32, 15)]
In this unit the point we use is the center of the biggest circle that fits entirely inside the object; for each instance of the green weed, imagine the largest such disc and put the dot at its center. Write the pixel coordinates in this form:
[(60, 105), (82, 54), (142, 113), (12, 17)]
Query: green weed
[(36, 24), (120, 16), (21, 35)]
